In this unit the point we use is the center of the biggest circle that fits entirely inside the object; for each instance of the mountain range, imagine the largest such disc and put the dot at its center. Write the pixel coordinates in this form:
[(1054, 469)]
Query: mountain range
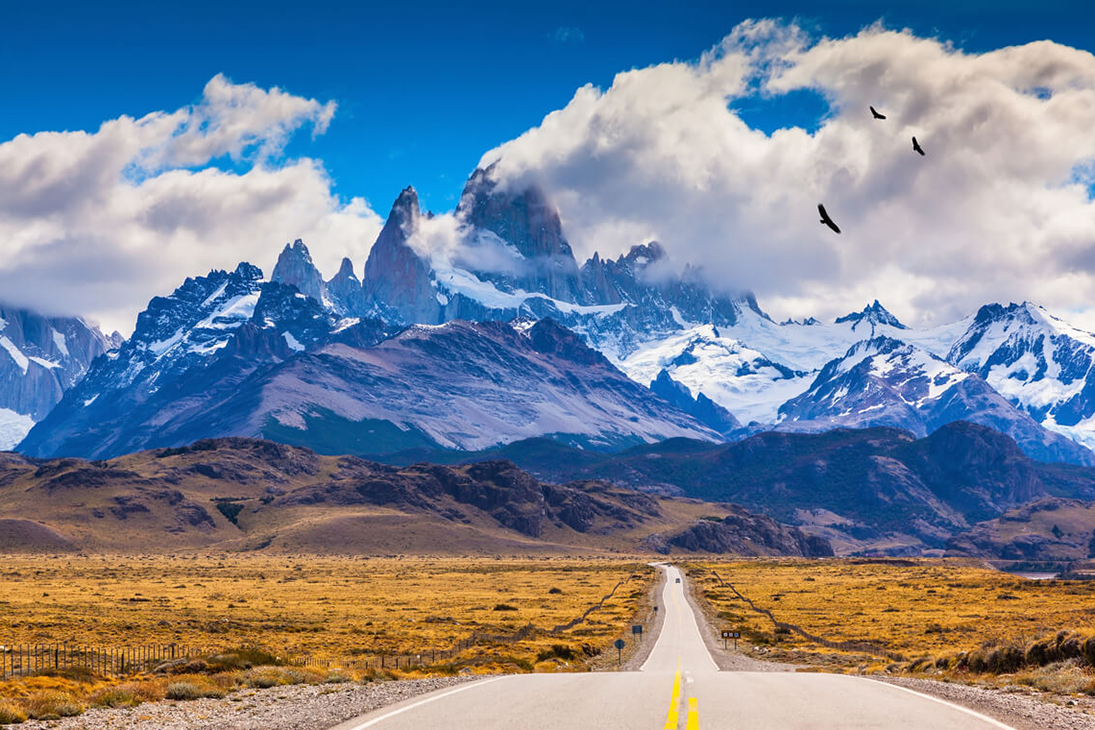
[(504, 336), (244, 494), (873, 490)]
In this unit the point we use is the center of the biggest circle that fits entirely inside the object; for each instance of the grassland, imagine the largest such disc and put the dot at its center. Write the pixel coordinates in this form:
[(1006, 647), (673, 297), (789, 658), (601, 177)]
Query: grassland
[(337, 609), (949, 618), (326, 607)]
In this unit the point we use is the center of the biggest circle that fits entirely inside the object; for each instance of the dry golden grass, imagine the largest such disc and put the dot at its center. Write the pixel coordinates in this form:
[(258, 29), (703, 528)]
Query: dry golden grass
[(912, 608), (324, 607), (328, 608)]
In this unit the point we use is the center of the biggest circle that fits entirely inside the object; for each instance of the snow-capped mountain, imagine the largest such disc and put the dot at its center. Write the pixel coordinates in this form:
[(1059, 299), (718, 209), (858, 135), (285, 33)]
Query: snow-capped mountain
[(1035, 360), (886, 382), (40, 358), (460, 385), (714, 360), (785, 375), (233, 354), (516, 262)]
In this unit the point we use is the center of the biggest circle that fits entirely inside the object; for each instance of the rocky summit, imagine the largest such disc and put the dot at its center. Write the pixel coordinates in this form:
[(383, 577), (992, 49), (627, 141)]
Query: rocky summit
[(231, 353)]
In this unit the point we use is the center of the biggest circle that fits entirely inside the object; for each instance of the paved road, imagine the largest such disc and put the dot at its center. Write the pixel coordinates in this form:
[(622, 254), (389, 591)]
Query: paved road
[(678, 687)]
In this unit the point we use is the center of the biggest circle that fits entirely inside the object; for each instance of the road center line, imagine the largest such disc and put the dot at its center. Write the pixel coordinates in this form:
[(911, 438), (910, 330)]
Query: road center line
[(693, 722), (672, 719)]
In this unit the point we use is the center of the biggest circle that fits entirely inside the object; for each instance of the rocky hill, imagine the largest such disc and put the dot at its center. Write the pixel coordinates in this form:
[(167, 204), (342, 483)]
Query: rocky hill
[(245, 494), (1049, 531), (867, 490)]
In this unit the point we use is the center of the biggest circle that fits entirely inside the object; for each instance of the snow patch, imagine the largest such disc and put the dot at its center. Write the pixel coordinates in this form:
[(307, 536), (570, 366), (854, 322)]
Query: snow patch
[(14, 427), (16, 354), (60, 342), (293, 343), (48, 364)]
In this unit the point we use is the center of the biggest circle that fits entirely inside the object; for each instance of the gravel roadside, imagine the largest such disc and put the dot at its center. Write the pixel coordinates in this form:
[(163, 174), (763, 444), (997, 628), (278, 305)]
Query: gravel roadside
[(1023, 709), (295, 707)]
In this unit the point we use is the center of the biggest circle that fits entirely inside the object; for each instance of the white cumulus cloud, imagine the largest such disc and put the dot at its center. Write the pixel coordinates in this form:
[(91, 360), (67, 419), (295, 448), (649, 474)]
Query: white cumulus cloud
[(999, 209), (97, 223)]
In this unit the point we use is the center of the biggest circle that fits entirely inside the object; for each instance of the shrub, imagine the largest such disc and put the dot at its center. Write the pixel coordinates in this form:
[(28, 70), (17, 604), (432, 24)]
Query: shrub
[(555, 591), (183, 691), (148, 691), (557, 651), (10, 714), (504, 607), (186, 690), (51, 705), (115, 697)]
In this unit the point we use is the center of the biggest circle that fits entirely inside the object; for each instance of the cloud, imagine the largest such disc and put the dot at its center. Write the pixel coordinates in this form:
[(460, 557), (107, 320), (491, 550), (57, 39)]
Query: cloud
[(97, 223), (1000, 208)]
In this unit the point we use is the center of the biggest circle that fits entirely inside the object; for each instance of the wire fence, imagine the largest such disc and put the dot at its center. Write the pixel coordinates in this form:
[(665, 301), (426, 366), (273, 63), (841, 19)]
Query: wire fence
[(112, 661)]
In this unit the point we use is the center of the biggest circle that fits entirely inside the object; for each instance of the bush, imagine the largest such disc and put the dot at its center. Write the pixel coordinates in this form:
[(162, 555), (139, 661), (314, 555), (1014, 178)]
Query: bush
[(10, 714), (504, 607), (243, 658), (192, 691), (264, 677), (557, 651), (51, 705), (146, 691), (115, 697)]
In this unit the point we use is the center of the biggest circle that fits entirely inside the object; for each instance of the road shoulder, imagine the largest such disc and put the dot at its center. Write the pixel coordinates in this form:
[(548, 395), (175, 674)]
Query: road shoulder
[(727, 660)]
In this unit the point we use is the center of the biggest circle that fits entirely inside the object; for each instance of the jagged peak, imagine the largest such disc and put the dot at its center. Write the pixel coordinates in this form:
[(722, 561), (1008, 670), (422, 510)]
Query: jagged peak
[(405, 210), (346, 270), (874, 314), (295, 250), (247, 271), (881, 345), (644, 253), (1028, 312), (808, 322)]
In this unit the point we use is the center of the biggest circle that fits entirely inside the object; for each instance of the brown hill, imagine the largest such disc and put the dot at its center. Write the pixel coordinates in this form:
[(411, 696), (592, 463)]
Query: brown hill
[(1051, 531), (247, 494)]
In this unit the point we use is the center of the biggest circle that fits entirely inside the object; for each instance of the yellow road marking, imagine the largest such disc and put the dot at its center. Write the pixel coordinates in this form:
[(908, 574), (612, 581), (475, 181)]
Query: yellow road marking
[(672, 719), (693, 715)]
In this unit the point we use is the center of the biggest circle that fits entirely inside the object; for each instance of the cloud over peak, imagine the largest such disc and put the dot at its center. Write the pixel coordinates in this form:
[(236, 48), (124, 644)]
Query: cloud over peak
[(98, 222), (999, 208)]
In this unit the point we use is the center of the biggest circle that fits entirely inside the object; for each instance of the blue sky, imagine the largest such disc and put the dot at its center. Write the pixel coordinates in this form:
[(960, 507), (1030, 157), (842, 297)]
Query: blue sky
[(424, 89), (243, 149)]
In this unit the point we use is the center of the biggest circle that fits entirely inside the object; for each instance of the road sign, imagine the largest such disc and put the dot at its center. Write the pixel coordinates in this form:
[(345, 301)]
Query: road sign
[(655, 609), (730, 634), (637, 629), (619, 644)]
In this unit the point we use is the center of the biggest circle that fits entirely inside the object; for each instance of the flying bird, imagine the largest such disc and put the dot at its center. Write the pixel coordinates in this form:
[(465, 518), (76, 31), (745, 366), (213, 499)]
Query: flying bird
[(876, 115), (917, 147), (826, 219)]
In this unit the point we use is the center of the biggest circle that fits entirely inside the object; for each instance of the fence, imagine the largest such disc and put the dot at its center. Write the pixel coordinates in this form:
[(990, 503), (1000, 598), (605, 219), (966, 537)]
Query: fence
[(866, 647), (105, 661)]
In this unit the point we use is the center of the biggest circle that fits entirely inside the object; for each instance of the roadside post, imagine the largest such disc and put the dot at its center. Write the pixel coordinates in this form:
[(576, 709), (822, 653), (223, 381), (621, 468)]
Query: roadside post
[(619, 644), (727, 634)]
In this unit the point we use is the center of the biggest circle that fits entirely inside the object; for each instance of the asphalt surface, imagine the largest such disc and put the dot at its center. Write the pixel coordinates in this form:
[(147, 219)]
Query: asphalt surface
[(679, 687)]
